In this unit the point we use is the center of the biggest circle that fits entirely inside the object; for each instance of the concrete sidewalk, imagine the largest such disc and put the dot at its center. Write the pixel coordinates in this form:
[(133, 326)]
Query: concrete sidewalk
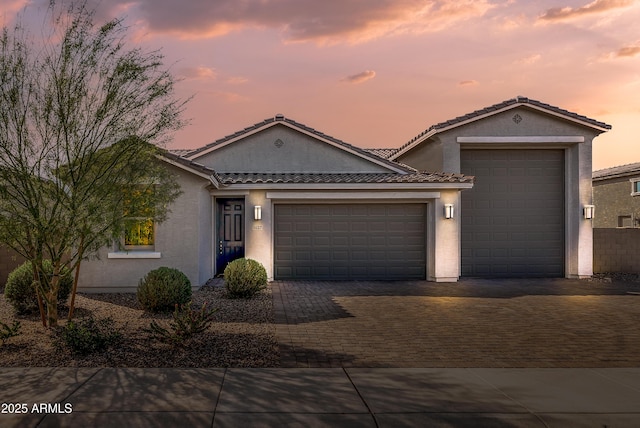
[(332, 397)]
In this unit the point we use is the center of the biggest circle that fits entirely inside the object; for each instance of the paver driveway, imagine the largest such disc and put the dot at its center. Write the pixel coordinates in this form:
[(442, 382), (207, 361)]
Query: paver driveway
[(472, 323)]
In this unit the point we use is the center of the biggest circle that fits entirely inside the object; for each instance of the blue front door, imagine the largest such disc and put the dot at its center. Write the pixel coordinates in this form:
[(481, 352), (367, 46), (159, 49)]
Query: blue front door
[(230, 242)]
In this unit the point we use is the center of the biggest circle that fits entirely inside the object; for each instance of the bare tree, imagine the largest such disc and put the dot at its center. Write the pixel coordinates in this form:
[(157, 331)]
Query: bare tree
[(82, 120)]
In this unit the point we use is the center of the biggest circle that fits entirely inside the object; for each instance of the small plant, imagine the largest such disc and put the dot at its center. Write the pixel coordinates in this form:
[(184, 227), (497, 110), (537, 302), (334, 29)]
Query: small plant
[(89, 335), (244, 277), (186, 324), (21, 293), (163, 288), (7, 332)]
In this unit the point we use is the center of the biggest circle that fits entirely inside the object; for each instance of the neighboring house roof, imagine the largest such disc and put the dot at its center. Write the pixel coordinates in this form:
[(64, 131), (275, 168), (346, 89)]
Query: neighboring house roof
[(282, 120), (617, 171), (494, 109), (305, 178)]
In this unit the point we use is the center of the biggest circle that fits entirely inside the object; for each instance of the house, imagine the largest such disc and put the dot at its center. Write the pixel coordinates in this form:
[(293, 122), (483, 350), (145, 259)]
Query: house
[(498, 192), (616, 195)]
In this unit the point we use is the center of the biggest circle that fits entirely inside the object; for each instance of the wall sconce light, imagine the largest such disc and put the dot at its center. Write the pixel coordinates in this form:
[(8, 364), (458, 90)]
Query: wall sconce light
[(257, 212), (588, 211), (448, 211)]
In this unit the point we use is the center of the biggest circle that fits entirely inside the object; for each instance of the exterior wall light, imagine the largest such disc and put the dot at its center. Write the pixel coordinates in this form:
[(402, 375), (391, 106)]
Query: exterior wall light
[(257, 212), (588, 211), (448, 211)]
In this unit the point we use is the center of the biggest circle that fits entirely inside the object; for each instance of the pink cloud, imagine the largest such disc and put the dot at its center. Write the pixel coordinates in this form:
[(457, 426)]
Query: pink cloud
[(329, 21), (628, 51), (9, 7), (360, 77), (200, 72), (468, 83), (528, 60), (596, 6)]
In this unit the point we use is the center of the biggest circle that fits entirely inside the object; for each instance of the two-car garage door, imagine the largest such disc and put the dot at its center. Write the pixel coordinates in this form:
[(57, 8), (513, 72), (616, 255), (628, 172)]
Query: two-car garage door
[(349, 241)]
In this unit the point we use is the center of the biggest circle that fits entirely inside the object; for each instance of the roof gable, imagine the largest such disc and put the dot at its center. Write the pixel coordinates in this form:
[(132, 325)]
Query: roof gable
[(266, 134), (495, 109)]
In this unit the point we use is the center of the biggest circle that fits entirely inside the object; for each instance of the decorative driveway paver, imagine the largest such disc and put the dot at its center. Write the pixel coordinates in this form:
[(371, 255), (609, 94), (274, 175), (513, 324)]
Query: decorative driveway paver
[(472, 323)]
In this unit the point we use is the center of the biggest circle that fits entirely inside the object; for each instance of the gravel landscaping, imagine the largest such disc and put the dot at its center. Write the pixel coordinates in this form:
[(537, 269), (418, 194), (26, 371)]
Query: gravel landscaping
[(242, 335)]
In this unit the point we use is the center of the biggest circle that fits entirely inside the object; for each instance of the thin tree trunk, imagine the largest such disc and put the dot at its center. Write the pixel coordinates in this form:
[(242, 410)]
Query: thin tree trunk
[(75, 280), (36, 287)]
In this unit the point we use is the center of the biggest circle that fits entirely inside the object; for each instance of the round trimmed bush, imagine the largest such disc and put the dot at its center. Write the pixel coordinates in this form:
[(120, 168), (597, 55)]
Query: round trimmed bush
[(19, 290), (163, 288), (244, 277)]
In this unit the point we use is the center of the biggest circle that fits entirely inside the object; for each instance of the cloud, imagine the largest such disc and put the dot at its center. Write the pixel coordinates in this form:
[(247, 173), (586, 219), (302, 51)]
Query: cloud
[(237, 80), (9, 7), (204, 73), (627, 51), (329, 21), (531, 59), (596, 6), (360, 77), (468, 83)]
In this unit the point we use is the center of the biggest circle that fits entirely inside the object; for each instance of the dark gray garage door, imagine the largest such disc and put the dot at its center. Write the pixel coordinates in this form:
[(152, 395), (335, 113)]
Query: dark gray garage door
[(373, 241), (513, 218)]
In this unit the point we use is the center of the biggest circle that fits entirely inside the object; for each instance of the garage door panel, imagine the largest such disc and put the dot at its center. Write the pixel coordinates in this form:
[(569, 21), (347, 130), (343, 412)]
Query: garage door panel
[(507, 215), (375, 241)]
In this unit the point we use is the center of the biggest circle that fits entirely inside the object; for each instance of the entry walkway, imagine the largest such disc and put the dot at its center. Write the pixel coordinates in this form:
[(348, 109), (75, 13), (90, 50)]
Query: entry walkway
[(471, 323), (352, 397)]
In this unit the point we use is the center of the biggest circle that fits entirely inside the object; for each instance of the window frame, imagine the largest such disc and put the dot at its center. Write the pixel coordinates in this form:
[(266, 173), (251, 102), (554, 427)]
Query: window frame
[(139, 219), (635, 186)]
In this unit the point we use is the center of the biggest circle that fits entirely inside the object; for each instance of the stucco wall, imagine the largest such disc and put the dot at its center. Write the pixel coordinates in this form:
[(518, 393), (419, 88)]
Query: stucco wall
[(429, 157), (178, 240), (297, 153), (613, 199), (9, 260), (616, 250), (530, 123)]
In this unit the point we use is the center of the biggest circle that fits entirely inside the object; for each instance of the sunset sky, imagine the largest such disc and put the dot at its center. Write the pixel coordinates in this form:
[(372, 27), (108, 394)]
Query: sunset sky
[(375, 73)]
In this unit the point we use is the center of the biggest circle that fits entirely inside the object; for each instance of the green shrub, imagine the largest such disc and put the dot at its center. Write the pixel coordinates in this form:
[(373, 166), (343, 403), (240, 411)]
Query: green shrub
[(7, 332), (186, 324), (89, 335), (20, 292), (163, 288), (244, 277)]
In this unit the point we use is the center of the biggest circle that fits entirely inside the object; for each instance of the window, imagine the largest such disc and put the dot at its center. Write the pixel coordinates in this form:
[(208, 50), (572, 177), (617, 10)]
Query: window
[(635, 186), (625, 221), (139, 232)]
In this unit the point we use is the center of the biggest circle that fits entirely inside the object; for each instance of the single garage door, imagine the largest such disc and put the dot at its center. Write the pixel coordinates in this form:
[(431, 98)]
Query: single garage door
[(513, 218), (348, 242)]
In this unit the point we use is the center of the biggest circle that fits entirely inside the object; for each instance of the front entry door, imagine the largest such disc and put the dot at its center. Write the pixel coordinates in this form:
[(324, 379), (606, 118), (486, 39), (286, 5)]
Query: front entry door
[(230, 242)]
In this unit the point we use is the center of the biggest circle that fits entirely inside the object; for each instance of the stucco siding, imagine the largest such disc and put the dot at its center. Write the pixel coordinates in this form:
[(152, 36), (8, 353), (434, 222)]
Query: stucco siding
[(615, 207), (530, 122), (429, 157), (528, 125), (9, 260), (178, 241), (281, 149)]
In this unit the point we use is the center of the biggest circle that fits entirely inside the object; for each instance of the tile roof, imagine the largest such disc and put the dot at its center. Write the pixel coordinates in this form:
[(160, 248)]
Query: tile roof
[(383, 153), (195, 166), (519, 100), (303, 127), (359, 178), (617, 171), (180, 152)]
